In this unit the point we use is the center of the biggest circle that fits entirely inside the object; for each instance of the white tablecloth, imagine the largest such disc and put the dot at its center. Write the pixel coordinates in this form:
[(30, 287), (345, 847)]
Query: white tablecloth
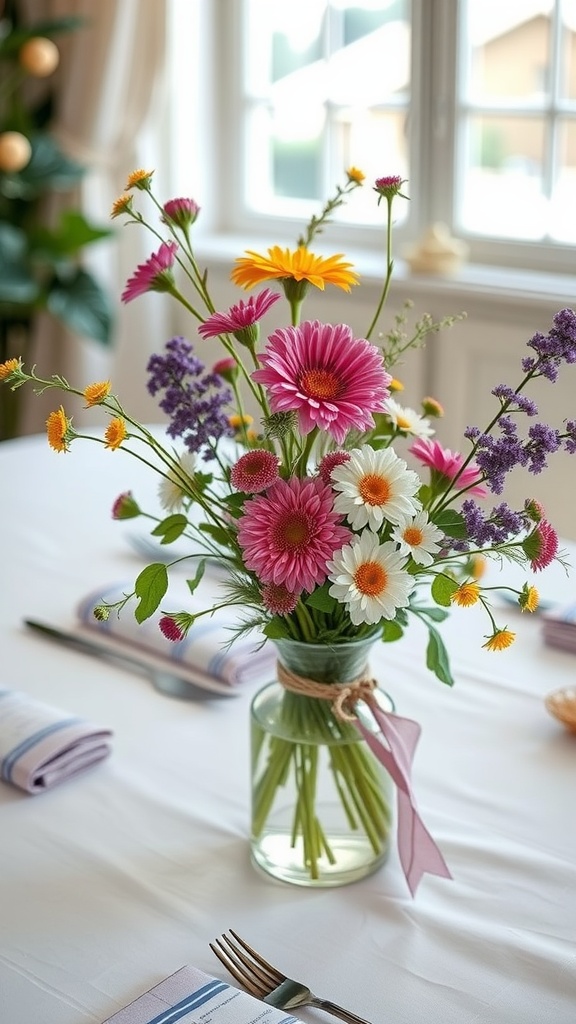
[(114, 880)]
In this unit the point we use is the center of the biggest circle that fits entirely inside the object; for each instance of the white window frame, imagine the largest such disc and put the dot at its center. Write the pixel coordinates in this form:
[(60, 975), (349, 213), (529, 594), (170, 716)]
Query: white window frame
[(210, 150)]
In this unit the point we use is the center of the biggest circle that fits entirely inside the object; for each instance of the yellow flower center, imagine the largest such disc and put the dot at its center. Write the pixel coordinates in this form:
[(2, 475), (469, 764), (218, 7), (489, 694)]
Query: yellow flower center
[(320, 384), (374, 489), (402, 423), (413, 536), (370, 578)]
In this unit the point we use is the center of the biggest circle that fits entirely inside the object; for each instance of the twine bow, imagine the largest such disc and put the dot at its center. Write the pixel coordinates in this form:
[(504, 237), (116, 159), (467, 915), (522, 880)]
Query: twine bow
[(394, 746)]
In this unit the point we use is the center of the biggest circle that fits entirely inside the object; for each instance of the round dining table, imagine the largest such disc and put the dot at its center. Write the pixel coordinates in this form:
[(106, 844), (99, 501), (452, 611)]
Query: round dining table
[(117, 877)]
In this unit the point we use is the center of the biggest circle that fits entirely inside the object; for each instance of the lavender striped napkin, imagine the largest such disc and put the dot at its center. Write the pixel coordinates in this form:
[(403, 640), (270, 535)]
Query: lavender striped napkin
[(193, 997), (205, 654), (41, 746)]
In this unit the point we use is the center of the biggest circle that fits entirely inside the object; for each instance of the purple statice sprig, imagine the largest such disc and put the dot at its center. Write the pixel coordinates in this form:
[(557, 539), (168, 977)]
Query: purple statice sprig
[(497, 456), (194, 400)]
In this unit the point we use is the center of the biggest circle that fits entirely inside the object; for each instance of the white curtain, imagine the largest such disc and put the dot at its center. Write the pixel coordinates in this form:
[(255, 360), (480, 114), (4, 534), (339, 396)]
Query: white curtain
[(110, 117)]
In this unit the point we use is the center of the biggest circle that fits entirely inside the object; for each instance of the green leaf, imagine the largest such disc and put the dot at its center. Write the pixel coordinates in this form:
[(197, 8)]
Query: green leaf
[(193, 583), (218, 533), (436, 614), (82, 305), (437, 657), (48, 169), (71, 235), (321, 600), (276, 630), (452, 523), (150, 587), (171, 528), (391, 630), (442, 590)]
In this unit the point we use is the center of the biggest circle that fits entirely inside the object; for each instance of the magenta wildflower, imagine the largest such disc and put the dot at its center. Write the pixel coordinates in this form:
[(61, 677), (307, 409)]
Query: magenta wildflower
[(388, 186), (241, 320), (448, 465), (170, 629), (180, 212), (278, 600), (333, 380), (227, 369), (155, 275), (328, 463), (546, 546), (125, 507), (255, 471), (289, 534)]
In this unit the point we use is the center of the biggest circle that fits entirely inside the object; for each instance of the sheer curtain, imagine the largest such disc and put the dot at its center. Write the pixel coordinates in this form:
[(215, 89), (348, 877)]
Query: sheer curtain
[(111, 97)]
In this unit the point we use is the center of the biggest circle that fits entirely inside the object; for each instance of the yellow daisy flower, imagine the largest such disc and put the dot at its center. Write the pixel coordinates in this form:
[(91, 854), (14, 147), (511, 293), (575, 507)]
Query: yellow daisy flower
[(7, 368), (529, 598), (355, 174), (500, 640), (115, 433), (58, 430), (96, 393), (139, 179), (121, 205), (466, 595), (298, 264), (238, 421)]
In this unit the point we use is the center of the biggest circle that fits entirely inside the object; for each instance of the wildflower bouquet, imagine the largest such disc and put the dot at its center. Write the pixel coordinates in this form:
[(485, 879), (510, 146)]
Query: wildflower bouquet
[(327, 536)]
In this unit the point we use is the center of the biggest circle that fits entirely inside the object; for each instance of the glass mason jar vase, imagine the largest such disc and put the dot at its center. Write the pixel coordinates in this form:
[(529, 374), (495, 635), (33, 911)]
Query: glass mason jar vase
[(321, 800)]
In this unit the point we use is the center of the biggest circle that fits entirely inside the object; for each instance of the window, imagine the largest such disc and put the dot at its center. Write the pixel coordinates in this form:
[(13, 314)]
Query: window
[(472, 101)]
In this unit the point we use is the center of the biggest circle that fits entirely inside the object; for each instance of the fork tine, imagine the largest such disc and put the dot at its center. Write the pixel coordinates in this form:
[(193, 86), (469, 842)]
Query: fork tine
[(239, 974), (273, 972)]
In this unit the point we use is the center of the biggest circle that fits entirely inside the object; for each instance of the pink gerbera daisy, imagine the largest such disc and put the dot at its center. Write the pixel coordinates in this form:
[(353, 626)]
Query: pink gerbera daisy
[(447, 464), (239, 317), (254, 471), (333, 380), (289, 534), (155, 275)]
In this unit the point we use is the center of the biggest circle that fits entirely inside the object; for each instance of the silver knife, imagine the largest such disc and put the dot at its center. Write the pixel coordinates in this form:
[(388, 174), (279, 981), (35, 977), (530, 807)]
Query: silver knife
[(167, 682)]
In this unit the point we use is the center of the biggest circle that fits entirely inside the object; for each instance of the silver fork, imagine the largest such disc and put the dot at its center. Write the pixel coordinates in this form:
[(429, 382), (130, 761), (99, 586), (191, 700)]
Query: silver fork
[(267, 983)]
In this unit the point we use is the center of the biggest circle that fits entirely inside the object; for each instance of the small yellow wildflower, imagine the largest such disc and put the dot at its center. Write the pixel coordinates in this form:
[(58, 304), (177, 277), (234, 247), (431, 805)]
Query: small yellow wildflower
[(529, 598), (236, 421), (300, 265), (478, 566), (7, 368), (121, 205), (500, 640), (466, 595), (395, 385), (432, 407), (139, 179), (96, 393), (58, 430), (355, 174), (115, 433)]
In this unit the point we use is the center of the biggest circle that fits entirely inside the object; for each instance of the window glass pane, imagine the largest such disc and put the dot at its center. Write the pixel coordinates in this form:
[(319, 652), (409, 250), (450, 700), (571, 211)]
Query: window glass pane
[(563, 208), (568, 50), (509, 49), (503, 177)]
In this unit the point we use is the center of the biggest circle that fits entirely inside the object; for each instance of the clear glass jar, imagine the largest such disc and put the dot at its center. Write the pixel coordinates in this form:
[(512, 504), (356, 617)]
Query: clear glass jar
[(321, 800)]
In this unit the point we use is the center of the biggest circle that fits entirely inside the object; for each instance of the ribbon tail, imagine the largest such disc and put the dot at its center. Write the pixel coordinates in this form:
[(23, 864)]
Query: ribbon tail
[(417, 850)]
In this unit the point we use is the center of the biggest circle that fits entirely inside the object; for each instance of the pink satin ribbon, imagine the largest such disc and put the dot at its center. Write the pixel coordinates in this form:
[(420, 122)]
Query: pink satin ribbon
[(417, 850)]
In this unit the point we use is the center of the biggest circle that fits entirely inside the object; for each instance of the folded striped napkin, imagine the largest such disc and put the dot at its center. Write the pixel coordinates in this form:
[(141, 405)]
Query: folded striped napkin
[(41, 746), (205, 656), (192, 997)]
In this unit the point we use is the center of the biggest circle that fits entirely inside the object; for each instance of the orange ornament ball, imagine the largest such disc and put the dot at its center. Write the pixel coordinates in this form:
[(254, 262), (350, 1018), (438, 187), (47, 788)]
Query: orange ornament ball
[(39, 56), (15, 151)]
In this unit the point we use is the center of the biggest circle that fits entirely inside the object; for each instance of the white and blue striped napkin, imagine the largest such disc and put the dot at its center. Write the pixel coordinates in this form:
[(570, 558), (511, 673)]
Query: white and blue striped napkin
[(206, 655), (192, 997), (41, 746)]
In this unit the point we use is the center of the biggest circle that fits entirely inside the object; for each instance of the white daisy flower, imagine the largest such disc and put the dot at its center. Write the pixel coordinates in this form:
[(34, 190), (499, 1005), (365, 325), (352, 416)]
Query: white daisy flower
[(418, 537), (375, 486), (171, 491), (408, 420), (370, 579)]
